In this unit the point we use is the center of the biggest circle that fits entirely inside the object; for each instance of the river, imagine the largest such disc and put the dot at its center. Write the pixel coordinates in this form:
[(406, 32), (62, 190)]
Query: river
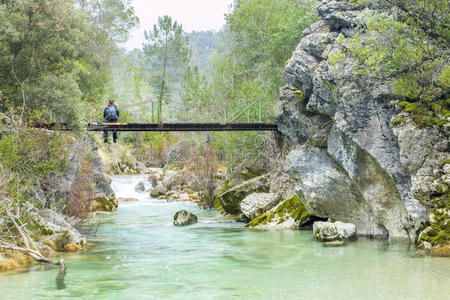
[(139, 254)]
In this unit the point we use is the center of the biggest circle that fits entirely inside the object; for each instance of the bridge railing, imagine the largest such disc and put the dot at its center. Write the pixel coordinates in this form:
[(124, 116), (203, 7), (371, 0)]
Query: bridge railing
[(239, 112)]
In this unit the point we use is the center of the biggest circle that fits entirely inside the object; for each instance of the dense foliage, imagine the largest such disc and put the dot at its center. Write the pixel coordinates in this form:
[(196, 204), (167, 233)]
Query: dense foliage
[(54, 57), (408, 42)]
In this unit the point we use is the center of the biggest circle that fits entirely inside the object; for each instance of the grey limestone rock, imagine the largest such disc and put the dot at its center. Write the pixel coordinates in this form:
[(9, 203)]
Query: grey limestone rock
[(328, 191), (183, 218), (256, 204), (52, 223), (334, 231), (231, 199), (158, 191)]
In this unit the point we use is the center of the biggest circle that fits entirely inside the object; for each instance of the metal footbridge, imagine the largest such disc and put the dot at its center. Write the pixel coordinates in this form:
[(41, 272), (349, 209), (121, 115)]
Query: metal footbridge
[(182, 127), (229, 125)]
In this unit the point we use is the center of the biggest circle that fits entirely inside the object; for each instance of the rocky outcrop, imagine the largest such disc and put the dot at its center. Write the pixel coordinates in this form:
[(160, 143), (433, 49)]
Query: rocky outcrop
[(57, 189), (231, 199), (256, 204), (53, 224), (183, 218), (334, 231), (118, 159), (104, 198), (359, 159)]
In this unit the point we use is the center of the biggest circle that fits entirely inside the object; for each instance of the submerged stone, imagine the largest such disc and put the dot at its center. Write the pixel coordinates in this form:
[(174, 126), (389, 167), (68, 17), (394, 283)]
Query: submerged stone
[(127, 199), (334, 243)]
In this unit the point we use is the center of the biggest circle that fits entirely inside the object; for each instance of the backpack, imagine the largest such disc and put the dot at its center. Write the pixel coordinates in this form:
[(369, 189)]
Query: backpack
[(111, 113)]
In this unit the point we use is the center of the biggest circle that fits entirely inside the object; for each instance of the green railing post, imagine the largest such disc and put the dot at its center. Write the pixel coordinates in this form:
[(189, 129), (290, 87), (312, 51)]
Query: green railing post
[(259, 109), (248, 116)]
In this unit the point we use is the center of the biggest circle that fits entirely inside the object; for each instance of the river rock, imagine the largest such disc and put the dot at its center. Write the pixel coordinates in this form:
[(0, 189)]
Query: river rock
[(256, 204), (157, 191), (184, 217), (142, 186), (337, 231), (231, 199)]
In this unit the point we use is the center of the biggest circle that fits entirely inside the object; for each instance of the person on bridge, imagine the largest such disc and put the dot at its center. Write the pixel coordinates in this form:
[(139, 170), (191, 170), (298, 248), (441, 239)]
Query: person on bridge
[(110, 115)]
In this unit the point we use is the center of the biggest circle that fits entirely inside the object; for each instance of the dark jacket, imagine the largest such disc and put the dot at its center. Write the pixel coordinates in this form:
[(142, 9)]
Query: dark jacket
[(105, 114)]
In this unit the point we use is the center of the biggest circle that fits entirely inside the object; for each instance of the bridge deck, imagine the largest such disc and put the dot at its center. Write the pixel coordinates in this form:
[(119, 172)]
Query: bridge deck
[(182, 127)]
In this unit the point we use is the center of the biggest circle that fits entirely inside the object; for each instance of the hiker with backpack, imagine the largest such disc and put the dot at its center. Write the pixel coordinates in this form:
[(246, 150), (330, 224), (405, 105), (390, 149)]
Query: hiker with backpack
[(110, 115)]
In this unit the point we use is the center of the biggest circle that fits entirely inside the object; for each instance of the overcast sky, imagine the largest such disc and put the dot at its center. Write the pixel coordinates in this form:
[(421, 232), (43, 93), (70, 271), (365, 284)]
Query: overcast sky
[(198, 15)]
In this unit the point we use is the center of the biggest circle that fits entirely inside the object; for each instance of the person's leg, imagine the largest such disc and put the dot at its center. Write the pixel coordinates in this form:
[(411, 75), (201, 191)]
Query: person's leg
[(114, 136), (105, 134)]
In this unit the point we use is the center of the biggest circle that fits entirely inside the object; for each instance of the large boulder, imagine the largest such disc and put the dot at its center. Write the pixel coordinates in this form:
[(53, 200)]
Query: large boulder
[(334, 231), (231, 199), (328, 192), (256, 204), (183, 218)]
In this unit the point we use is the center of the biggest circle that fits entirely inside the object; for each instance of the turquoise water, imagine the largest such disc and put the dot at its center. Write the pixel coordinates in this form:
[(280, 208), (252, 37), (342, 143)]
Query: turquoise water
[(139, 254)]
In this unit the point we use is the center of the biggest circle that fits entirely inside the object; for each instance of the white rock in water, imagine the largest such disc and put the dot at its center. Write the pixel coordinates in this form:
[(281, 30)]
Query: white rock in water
[(329, 231), (184, 217)]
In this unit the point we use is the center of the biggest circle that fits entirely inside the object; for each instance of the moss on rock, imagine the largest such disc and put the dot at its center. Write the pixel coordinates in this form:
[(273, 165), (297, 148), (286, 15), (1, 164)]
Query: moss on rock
[(289, 208), (231, 198), (427, 114), (105, 204)]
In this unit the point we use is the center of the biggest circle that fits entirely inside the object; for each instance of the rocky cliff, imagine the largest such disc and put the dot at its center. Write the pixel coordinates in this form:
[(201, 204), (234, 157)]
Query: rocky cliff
[(358, 157)]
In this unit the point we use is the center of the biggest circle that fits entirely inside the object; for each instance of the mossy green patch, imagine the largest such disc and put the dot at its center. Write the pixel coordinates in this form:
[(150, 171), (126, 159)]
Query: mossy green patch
[(231, 201), (105, 204), (445, 162), (427, 113), (300, 94), (290, 208)]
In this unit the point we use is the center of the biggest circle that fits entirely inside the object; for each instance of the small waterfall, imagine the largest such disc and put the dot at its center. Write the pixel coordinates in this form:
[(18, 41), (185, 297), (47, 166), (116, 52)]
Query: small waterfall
[(124, 186)]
